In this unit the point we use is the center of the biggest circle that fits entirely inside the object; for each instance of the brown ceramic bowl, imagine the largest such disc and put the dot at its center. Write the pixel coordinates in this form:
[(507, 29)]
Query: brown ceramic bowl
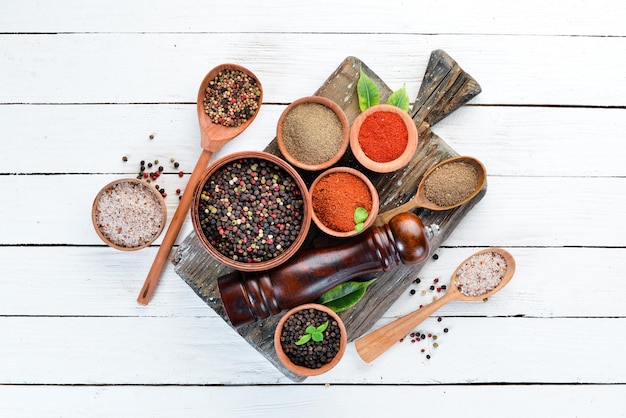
[(128, 214), (302, 370), (372, 213), (313, 165), (240, 232), (378, 166)]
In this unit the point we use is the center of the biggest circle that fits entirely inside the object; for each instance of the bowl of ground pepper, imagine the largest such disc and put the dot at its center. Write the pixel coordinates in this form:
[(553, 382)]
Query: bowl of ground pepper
[(313, 133), (128, 214), (251, 210), (310, 339), (338, 196), (383, 138)]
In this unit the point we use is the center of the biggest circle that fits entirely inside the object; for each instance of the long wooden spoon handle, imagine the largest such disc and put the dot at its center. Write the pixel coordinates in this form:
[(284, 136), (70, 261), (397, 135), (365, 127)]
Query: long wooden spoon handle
[(173, 230), (377, 342)]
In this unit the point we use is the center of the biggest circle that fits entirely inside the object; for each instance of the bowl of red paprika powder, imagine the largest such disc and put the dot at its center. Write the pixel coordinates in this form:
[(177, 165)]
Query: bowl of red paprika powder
[(336, 194), (383, 138)]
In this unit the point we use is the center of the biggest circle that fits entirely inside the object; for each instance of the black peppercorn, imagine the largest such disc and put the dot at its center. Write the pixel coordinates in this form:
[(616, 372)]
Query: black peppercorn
[(250, 210)]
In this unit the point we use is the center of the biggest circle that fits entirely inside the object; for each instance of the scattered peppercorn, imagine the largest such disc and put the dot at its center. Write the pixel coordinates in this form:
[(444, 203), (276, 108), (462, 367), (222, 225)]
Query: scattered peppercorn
[(124, 158), (151, 136), (412, 291), (435, 256)]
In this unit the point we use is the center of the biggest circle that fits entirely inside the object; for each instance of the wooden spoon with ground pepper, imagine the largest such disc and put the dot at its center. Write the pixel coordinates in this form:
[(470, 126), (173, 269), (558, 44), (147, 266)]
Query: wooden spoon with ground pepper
[(215, 133), (377, 342), (420, 200)]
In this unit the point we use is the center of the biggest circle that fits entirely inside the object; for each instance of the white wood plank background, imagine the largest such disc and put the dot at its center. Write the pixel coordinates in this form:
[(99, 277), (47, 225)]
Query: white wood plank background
[(84, 83)]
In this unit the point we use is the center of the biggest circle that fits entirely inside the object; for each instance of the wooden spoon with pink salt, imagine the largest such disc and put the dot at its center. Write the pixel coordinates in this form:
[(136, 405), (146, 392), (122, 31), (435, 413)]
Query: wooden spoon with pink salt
[(476, 278)]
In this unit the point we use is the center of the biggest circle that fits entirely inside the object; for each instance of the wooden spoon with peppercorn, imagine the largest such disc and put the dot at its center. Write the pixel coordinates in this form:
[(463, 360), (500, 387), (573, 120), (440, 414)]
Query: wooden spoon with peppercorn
[(444, 194), (228, 100), (472, 280)]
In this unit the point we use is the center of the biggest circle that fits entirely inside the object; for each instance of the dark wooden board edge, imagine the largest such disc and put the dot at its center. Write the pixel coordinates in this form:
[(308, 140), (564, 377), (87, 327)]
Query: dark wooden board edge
[(445, 88)]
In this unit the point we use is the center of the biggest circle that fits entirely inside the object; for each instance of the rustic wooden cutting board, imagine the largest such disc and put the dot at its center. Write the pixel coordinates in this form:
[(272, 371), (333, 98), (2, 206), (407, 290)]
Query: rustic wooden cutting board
[(445, 87)]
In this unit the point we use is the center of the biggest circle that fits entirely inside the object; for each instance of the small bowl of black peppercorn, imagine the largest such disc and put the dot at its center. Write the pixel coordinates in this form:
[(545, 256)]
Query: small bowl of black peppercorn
[(310, 339), (251, 210)]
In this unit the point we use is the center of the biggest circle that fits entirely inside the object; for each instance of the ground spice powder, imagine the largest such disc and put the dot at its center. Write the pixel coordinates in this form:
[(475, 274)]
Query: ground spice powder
[(451, 183), (335, 198), (312, 133), (383, 136)]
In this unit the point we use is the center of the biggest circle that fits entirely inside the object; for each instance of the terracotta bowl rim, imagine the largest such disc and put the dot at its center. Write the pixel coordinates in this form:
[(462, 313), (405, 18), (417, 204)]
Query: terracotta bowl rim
[(306, 219), (152, 190), (384, 167), (345, 127), (375, 202), (301, 370)]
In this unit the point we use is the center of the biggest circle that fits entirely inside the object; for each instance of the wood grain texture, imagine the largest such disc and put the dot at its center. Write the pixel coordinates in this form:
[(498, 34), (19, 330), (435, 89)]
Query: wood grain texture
[(512, 401), (590, 17), (446, 87), (549, 125), (129, 75)]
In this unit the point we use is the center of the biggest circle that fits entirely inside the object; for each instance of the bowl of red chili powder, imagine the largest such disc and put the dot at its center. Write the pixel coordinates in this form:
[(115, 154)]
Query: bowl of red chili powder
[(335, 196), (383, 138)]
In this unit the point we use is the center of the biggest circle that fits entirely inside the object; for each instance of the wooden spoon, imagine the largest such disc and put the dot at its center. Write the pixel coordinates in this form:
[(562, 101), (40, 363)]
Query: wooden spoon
[(421, 201), (213, 137), (377, 342)]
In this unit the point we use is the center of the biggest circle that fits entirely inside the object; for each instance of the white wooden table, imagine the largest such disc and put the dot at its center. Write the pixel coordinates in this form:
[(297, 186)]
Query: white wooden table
[(85, 83)]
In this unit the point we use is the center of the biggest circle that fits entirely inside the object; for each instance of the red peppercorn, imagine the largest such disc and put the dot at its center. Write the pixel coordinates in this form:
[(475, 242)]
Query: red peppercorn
[(180, 174)]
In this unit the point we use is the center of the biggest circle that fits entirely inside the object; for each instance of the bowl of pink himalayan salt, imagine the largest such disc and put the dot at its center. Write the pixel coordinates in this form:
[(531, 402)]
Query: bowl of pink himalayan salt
[(129, 214)]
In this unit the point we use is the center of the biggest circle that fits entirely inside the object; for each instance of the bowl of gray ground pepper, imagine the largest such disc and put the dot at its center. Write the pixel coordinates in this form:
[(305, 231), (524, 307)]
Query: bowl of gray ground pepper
[(313, 133), (251, 210)]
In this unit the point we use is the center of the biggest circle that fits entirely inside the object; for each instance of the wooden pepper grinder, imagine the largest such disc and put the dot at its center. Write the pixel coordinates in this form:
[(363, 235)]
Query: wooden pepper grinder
[(251, 296)]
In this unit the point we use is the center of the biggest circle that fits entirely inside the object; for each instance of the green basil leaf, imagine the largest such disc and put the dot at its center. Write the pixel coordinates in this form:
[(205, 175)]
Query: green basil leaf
[(400, 98), (323, 327), (367, 91), (304, 339), (310, 329), (344, 296), (317, 336), (359, 227), (360, 215)]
